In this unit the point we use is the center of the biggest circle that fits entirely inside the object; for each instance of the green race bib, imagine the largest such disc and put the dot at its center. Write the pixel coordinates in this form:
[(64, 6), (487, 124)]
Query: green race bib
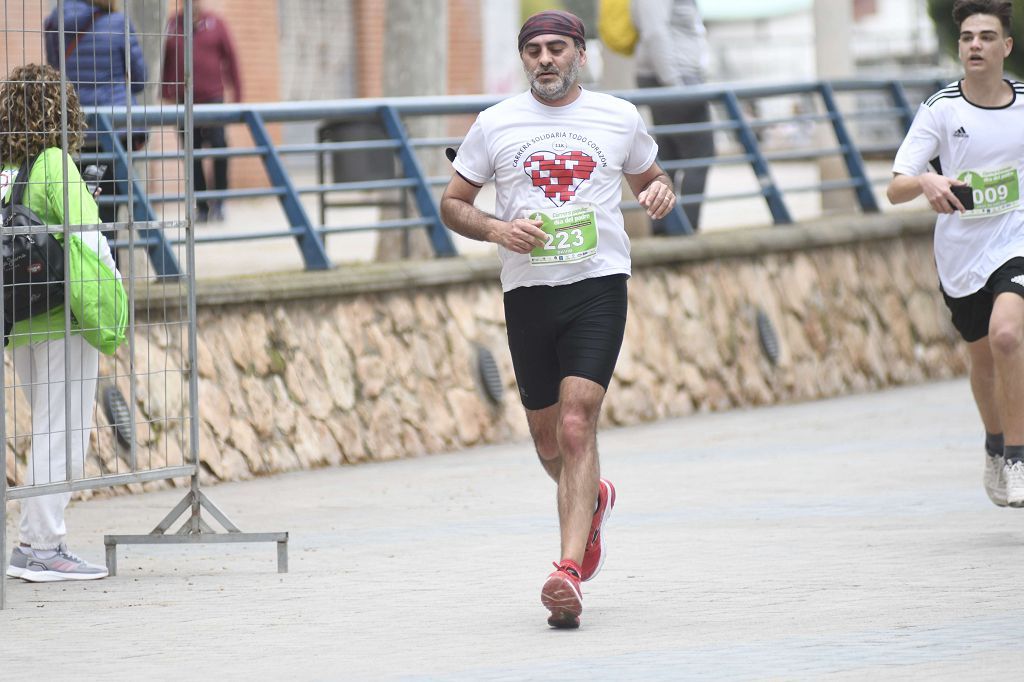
[(995, 192), (571, 234)]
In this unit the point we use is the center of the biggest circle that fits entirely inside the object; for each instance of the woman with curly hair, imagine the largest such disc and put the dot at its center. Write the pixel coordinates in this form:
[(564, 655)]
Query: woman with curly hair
[(30, 131)]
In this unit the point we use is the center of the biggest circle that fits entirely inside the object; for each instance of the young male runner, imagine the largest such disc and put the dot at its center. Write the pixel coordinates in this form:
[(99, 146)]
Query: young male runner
[(975, 129), (557, 154)]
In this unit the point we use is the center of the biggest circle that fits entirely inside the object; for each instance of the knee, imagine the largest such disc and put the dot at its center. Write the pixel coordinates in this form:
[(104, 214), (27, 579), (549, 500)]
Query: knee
[(575, 434), (1005, 339)]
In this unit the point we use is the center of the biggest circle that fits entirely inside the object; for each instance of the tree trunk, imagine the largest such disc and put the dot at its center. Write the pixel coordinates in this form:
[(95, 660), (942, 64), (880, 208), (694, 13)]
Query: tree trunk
[(834, 59), (415, 63), (149, 19)]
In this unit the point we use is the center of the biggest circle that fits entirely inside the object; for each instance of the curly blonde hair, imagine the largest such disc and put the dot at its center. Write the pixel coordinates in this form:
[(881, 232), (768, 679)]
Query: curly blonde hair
[(30, 113)]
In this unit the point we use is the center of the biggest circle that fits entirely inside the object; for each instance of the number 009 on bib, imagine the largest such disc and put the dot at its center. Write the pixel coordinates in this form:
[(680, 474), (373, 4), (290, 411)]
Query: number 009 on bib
[(571, 234)]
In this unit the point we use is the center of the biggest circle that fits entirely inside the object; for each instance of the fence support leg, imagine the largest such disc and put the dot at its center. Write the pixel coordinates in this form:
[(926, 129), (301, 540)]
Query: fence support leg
[(195, 530)]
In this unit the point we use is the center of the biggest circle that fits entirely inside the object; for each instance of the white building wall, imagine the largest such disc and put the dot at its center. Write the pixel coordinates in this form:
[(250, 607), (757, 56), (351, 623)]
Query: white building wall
[(897, 38), (503, 72)]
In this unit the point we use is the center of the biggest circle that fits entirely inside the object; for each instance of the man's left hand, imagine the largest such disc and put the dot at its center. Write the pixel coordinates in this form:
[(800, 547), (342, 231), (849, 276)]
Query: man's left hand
[(657, 199)]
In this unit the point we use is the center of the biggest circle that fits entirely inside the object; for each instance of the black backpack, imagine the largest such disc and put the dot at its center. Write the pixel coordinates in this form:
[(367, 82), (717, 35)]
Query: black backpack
[(33, 264)]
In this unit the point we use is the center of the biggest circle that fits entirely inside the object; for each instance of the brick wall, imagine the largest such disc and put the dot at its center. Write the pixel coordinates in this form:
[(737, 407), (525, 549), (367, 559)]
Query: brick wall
[(254, 29), (21, 38), (369, 20), (465, 69)]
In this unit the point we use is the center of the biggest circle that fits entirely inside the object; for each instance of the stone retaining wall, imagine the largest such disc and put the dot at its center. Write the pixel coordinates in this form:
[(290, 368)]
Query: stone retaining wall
[(378, 362)]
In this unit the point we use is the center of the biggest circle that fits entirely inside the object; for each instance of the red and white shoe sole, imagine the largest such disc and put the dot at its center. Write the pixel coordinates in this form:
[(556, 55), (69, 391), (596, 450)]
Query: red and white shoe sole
[(563, 599), (604, 539)]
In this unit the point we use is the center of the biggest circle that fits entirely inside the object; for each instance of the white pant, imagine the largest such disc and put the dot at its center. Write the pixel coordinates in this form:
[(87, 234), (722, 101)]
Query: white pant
[(41, 374)]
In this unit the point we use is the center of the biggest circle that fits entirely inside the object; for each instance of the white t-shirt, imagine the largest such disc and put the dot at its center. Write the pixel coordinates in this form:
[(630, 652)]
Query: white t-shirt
[(566, 163), (985, 148)]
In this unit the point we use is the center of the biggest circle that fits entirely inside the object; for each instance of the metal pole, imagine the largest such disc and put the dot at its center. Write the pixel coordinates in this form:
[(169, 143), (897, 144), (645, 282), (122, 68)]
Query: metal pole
[(190, 280), (67, 265), (133, 453)]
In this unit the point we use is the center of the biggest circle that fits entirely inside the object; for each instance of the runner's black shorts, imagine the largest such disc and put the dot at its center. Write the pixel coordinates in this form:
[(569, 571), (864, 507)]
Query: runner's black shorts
[(561, 331), (971, 313)]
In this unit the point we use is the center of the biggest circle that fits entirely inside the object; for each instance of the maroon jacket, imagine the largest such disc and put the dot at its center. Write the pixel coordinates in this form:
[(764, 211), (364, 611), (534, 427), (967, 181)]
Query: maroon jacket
[(213, 56)]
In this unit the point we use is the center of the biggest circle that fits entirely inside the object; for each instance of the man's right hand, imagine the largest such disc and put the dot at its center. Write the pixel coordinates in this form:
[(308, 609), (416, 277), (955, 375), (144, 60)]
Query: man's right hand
[(936, 190), (521, 235)]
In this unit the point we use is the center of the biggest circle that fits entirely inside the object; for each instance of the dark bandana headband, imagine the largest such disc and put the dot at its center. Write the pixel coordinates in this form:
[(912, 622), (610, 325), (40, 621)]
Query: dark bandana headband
[(555, 22)]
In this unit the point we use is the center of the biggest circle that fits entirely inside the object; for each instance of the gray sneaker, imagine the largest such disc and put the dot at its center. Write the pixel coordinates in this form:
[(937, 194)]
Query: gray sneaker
[(61, 566), (1014, 476), (995, 483), (19, 560)]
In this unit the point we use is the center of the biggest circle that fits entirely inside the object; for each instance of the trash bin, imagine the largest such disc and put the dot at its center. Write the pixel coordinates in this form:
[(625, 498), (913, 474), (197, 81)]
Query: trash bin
[(356, 165), (361, 164)]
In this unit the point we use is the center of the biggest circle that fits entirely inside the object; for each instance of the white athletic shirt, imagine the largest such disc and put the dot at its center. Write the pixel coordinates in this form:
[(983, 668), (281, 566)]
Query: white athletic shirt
[(566, 162), (985, 148)]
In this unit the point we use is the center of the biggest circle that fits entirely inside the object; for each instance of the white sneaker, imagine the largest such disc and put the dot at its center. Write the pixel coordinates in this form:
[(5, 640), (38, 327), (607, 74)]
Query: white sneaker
[(1013, 474), (63, 565), (19, 560), (995, 482)]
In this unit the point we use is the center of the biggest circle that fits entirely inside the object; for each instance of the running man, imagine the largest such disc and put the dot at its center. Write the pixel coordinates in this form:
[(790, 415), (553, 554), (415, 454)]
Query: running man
[(975, 128), (557, 154)]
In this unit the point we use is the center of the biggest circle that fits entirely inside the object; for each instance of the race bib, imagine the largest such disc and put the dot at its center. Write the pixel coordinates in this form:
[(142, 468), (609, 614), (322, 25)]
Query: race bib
[(7, 178), (995, 192), (571, 234)]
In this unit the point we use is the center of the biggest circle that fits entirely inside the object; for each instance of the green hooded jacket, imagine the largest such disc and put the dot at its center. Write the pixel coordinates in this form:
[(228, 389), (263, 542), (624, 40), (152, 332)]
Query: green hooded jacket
[(45, 197)]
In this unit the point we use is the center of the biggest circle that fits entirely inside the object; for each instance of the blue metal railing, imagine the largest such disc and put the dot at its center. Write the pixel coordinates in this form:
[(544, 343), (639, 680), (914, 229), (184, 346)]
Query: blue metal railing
[(734, 119)]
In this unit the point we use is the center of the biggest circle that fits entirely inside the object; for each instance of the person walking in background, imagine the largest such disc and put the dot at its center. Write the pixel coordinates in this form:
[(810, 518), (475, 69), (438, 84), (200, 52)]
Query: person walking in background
[(557, 154), (58, 373), (215, 71), (104, 63), (975, 128), (672, 50)]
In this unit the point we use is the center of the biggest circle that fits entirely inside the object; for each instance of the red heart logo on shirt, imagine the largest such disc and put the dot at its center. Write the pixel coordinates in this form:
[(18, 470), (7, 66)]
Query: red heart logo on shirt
[(559, 175)]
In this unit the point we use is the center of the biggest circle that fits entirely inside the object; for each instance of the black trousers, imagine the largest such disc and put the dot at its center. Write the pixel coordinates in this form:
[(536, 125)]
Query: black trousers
[(689, 146), (214, 138)]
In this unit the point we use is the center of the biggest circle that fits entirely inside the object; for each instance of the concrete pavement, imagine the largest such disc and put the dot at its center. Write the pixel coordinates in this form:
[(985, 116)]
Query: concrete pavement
[(847, 539)]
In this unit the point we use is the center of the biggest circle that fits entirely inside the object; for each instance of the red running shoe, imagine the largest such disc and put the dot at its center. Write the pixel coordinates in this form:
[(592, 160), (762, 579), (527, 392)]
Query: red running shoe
[(561, 595), (597, 548)]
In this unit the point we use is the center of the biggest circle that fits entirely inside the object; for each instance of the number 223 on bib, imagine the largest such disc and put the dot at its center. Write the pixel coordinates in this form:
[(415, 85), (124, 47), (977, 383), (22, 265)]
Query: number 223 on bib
[(571, 234)]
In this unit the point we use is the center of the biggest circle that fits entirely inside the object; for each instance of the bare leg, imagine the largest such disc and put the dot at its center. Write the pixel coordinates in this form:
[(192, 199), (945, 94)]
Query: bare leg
[(565, 436), (983, 384), (580, 405), (544, 429), (1006, 339)]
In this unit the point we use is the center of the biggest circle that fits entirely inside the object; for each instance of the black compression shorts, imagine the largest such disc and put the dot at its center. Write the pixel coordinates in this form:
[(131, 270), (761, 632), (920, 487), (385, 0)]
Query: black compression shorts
[(570, 330), (972, 312)]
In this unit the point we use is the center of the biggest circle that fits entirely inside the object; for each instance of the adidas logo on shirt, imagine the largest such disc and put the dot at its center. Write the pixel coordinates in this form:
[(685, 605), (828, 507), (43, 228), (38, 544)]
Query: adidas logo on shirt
[(960, 132), (1018, 280)]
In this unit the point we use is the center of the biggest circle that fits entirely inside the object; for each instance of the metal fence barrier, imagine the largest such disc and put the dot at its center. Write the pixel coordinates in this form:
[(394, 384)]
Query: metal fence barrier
[(73, 420), (859, 118)]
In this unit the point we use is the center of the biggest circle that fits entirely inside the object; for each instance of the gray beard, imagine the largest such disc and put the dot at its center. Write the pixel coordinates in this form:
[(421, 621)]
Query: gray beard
[(552, 92)]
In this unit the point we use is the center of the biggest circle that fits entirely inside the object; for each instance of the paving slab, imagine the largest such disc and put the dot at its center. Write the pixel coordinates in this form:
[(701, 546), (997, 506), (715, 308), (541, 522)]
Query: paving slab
[(845, 539)]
